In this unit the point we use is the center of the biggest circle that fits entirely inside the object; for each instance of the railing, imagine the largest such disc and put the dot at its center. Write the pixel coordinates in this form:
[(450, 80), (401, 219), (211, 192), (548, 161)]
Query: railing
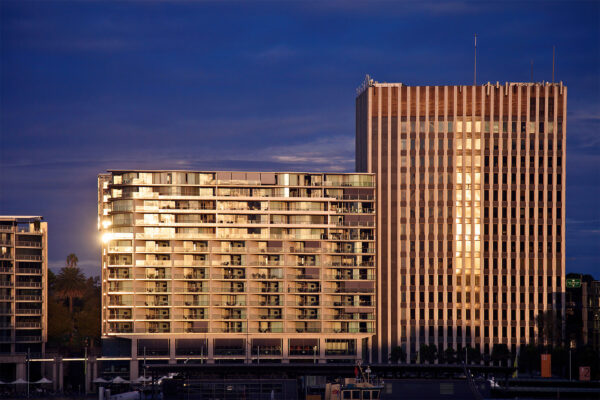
[(151, 316), (195, 316), (348, 330), (228, 276), (6, 297), (228, 316), (20, 243), (6, 269), (200, 249), (352, 316), (28, 339), (192, 303), (349, 290), (37, 271), (304, 316), (268, 316), (6, 284), (303, 303), (29, 324), (28, 257), (29, 298), (121, 249), (28, 284), (120, 317), (28, 311), (303, 276)]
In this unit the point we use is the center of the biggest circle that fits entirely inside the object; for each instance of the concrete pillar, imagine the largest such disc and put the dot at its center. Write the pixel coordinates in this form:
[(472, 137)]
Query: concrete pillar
[(134, 369), (21, 372), (89, 374), (211, 351), (61, 374), (285, 351), (134, 364), (321, 350), (54, 375), (359, 350), (172, 352)]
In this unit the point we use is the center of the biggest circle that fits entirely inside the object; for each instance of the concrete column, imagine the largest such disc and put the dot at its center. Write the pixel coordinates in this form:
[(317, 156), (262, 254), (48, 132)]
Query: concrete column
[(285, 351), (21, 372), (172, 352), (55, 375), (61, 374), (134, 364), (89, 375), (211, 350), (359, 350), (321, 350), (134, 369)]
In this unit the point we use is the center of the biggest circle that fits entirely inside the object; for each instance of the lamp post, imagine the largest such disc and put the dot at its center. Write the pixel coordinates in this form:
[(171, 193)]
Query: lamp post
[(368, 371)]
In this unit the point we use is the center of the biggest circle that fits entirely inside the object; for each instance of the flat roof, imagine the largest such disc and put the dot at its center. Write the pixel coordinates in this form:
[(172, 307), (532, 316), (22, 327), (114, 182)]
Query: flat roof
[(238, 171), (20, 217)]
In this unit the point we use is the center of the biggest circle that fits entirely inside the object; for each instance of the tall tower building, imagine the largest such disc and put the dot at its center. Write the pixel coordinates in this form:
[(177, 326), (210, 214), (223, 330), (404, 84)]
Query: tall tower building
[(470, 211), (237, 266), (23, 285)]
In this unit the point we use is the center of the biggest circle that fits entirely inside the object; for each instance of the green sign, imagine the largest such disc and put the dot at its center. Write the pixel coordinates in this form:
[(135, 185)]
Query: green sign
[(573, 283)]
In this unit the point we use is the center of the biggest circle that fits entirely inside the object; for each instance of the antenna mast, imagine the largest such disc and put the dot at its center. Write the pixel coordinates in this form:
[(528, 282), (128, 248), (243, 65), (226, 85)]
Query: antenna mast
[(475, 64), (532, 70), (553, 59)]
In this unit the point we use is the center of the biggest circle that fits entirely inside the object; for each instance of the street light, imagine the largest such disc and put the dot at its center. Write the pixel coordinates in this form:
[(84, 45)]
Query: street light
[(368, 371)]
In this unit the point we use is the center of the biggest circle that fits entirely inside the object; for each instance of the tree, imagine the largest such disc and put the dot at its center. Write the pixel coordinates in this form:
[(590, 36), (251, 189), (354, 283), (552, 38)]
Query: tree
[(60, 324), (529, 358), (398, 354), (70, 282), (450, 355), (72, 261), (500, 353), (428, 353)]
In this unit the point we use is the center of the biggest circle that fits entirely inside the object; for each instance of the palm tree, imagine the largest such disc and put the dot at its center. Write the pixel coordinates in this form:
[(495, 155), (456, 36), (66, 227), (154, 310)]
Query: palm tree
[(72, 261), (70, 282)]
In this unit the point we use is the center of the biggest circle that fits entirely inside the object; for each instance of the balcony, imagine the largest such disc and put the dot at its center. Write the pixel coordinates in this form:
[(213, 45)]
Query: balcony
[(229, 316), (29, 271), (28, 298), (21, 257), (21, 339), (195, 316), (28, 284), (157, 316), (28, 311), (7, 270), (37, 245)]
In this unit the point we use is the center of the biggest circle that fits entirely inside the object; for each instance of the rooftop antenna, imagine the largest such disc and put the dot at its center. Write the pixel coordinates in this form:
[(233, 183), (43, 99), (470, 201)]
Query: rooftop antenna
[(475, 63), (532, 70), (553, 60)]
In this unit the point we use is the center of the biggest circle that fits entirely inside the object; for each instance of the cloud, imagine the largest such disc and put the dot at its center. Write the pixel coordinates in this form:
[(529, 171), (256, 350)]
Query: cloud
[(274, 54)]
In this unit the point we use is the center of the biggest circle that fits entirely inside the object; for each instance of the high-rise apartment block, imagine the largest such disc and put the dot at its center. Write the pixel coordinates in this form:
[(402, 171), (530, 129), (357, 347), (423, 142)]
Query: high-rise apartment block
[(23, 284), (470, 210), (238, 266)]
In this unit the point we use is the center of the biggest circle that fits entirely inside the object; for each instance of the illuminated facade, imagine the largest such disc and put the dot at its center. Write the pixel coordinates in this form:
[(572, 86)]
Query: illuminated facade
[(470, 220), (237, 266), (23, 285)]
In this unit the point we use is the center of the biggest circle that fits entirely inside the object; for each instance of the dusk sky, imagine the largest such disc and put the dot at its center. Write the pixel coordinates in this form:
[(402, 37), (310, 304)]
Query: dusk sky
[(87, 87)]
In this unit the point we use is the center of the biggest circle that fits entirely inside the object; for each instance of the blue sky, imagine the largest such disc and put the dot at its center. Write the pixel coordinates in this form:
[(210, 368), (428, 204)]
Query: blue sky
[(88, 86)]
